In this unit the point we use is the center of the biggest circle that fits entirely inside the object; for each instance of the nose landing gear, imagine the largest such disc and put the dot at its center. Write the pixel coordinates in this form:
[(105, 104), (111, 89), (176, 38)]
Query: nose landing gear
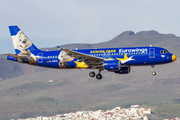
[(153, 71)]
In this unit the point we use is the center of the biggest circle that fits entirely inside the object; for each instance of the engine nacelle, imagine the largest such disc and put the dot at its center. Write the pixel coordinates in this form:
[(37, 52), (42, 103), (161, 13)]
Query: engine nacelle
[(123, 70), (112, 65)]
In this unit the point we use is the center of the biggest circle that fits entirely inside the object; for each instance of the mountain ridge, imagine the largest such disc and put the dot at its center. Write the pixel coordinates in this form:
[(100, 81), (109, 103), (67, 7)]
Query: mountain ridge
[(127, 39)]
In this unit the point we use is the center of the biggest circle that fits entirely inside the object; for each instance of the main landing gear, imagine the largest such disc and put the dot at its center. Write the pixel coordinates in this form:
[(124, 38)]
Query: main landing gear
[(92, 74), (153, 71), (98, 76)]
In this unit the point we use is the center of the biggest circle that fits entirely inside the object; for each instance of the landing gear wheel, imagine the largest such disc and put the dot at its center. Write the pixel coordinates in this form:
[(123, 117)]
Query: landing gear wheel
[(153, 73), (92, 74), (99, 76)]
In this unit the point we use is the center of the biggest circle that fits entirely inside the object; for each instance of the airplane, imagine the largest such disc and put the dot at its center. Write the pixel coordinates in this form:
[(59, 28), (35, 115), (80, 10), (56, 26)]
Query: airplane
[(117, 60)]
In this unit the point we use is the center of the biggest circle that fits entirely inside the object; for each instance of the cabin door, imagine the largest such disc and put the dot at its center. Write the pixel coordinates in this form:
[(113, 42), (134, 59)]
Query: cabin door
[(40, 57), (151, 52)]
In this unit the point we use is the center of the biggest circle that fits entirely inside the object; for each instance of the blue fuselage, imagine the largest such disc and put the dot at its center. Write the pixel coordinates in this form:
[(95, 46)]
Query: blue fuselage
[(117, 60), (137, 55)]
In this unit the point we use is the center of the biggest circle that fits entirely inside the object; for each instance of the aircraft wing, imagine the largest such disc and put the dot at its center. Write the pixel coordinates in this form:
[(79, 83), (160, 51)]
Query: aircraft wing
[(16, 56), (88, 59)]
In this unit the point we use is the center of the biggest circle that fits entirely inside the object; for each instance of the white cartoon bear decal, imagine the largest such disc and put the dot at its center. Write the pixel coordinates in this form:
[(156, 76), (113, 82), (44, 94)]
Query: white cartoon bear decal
[(22, 43), (63, 57)]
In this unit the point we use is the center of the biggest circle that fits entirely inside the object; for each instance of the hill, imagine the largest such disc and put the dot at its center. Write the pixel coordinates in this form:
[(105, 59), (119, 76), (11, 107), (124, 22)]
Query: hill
[(130, 39), (10, 69), (51, 91), (71, 90)]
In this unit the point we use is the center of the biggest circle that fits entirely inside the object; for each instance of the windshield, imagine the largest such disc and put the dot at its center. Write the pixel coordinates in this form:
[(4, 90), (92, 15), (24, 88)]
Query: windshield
[(164, 51)]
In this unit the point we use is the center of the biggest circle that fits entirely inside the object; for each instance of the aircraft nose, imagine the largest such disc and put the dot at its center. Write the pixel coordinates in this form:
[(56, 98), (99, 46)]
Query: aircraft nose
[(174, 58)]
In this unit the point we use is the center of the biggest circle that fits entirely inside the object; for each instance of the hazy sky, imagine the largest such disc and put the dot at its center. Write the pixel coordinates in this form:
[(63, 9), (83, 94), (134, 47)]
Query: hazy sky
[(49, 23)]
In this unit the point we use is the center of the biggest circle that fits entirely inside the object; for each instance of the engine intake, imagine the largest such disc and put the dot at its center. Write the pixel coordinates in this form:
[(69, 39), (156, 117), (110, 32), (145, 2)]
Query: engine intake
[(112, 65), (123, 70)]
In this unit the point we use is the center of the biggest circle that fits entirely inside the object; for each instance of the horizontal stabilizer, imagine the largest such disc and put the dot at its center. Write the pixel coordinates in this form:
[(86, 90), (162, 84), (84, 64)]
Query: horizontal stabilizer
[(16, 56)]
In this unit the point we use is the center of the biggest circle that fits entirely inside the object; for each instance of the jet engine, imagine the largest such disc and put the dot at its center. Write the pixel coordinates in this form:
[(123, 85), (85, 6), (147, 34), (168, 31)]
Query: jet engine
[(123, 70), (112, 65)]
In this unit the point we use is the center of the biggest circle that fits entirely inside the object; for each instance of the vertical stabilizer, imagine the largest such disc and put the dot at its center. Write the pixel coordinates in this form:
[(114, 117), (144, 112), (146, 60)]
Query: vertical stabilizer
[(21, 42)]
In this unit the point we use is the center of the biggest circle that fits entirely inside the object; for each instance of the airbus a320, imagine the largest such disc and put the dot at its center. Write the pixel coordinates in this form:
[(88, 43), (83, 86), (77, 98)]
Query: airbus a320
[(116, 60)]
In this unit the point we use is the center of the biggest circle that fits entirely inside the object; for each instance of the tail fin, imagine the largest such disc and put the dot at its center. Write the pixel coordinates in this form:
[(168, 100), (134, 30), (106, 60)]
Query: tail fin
[(20, 41)]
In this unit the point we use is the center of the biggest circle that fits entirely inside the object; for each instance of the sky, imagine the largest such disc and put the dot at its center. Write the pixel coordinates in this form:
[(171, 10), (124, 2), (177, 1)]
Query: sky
[(48, 23)]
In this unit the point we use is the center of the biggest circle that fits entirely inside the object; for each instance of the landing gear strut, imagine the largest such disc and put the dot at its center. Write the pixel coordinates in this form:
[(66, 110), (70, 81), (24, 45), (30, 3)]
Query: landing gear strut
[(153, 71)]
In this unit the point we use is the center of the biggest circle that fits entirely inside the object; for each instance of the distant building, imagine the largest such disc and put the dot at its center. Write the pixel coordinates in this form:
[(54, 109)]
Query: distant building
[(134, 106), (133, 113)]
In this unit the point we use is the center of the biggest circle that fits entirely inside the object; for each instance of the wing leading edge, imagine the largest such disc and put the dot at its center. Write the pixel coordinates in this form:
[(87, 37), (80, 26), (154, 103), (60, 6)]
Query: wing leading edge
[(88, 59)]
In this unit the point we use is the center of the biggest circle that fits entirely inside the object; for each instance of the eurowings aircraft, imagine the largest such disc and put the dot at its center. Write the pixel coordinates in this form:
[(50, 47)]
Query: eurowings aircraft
[(117, 60)]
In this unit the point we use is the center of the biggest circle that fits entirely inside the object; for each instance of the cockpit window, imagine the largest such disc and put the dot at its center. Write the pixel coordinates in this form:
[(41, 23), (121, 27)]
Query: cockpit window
[(164, 51)]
